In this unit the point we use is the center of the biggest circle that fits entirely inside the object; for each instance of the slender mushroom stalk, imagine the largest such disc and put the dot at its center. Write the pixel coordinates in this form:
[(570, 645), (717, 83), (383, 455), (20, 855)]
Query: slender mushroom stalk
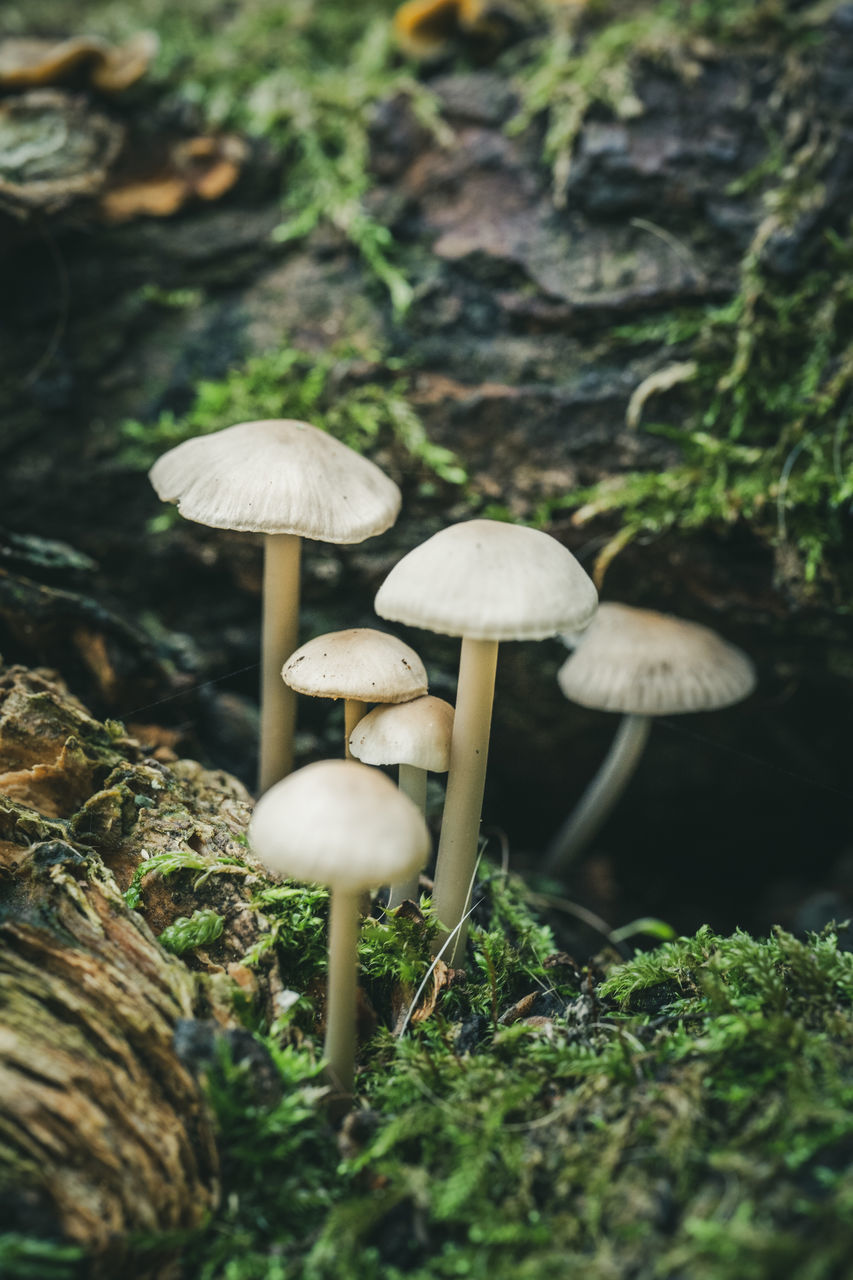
[(643, 664), (355, 709), (288, 480), (279, 637), (466, 780), (484, 581), (414, 735), (412, 782), (347, 826), (339, 1049), (602, 794)]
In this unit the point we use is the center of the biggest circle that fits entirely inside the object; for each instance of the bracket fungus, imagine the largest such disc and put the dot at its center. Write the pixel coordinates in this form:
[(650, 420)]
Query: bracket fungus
[(343, 824), (31, 62), (642, 664), (415, 736), (427, 29), (484, 581), (360, 665), (288, 480)]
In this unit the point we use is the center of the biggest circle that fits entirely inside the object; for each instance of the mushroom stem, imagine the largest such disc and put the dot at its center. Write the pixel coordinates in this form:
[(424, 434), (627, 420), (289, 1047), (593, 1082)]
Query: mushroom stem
[(413, 783), (279, 637), (460, 827), (601, 795), (342, 986), (354, 710)]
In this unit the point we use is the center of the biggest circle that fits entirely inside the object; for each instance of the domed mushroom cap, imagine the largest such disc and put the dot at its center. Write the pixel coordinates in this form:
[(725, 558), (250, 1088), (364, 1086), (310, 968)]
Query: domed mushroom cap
[(489, 581), (339, 823), (361, 663), (416, 733), (278, 476), (640, 662)]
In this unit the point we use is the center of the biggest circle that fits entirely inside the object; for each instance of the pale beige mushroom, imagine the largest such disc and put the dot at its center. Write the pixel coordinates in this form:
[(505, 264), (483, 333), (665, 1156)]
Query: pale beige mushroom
[(642, 664), (415, 736), (360, 665), (484, 581), (347, 826), (287, 480)]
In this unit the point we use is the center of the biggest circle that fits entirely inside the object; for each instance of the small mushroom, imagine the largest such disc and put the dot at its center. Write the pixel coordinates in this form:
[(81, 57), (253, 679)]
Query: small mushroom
[(416, 737), (643, 664), (287, 480), (361, 665), (345, 825), (484, 581)]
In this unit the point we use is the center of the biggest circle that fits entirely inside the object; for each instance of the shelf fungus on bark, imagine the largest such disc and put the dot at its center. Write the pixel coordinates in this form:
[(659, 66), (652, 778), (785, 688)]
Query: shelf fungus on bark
[(32, 62)]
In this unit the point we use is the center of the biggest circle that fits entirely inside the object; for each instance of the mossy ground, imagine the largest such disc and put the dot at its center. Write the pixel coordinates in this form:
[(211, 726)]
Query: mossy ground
[(686, 1112)]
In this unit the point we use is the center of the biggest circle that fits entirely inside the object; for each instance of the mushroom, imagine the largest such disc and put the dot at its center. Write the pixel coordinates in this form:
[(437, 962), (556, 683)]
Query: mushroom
[(416, 737), (345, 825), (484, 581), (287, 480), (644, 664), (360, 665)]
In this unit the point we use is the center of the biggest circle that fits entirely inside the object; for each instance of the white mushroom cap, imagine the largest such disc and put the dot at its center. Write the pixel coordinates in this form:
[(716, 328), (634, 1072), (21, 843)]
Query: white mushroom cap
[(278, 476), (640, 662), (489, 581), (416, 733), (361, 663), (339, 823)]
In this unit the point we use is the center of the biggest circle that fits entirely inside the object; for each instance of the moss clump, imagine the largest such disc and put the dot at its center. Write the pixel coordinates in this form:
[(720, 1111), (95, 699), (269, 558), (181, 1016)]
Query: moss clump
[(290, 383), (689, 1114), (188, 932), (586, 55), (769, 419)]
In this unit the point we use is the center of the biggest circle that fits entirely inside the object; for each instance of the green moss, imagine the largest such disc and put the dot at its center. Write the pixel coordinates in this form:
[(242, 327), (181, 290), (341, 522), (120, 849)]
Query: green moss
[(188, 932), (586, 55), (22, 1258), (769, 420), (170, 863), (765, 429), (691, 1115), (290, 383)]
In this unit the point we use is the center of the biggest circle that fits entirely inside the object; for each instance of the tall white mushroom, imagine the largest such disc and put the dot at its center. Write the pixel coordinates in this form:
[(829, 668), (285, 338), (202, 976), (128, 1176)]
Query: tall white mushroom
[(415, 736), (643, 664), (360, 665), (347, 826), (484, 581), (287, 480)]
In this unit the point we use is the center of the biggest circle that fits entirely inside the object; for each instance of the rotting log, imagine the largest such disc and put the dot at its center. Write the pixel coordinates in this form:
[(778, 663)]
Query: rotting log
[(105, 1134)]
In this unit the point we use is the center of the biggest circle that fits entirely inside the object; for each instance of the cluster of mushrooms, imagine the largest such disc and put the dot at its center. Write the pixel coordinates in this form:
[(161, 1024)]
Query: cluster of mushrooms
[(342, 822)]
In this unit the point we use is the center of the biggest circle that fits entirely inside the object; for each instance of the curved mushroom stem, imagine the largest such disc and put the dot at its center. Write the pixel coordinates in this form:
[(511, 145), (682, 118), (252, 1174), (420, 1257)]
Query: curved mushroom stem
[(280, 636), (601, 795), (354, 710), (460, 827), (413, 783), (342, 985)]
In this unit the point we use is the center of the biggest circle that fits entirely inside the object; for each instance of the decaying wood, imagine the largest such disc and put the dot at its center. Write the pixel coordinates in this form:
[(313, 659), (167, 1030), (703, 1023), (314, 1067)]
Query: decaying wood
[(104, 1130)]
